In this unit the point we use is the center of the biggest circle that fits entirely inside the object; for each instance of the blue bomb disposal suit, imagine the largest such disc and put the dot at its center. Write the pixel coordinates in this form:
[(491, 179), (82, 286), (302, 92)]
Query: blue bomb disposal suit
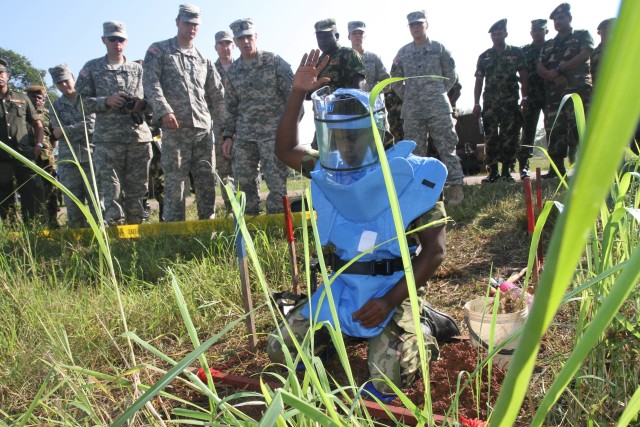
[(354, 214)]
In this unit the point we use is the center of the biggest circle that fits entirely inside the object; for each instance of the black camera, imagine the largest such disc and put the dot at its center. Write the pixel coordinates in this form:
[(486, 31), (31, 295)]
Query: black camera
[(129, 103)]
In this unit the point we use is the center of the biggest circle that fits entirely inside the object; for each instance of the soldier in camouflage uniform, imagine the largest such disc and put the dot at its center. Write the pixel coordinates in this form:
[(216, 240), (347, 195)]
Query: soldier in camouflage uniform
[(16, 114), (259, 84), (502, 66), (346, 68), (374, 69), (603, 31), (224, 49), (394, 351), (536, 95), (68, 119), (564, 65), (111, 87), (186, 94), (38, 95), (425, 107), (604, 28), (393, 104)]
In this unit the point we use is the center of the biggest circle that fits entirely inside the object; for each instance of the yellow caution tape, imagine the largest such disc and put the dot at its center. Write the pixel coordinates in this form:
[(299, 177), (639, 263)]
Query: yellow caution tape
[(180, 228)]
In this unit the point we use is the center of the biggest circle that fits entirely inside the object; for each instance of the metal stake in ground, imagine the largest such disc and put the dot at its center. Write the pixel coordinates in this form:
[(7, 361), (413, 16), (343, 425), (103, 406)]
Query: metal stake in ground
[(243, 266), (531, 222), (288, 225), (528, 200)]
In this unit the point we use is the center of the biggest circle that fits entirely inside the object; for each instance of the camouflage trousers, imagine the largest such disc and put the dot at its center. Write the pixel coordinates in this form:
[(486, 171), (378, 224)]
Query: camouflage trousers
[(442, 130), (561, 126), (156, 177), (224, 172), (393, 353), (393, 103), (50, 191), (529, 129), (69, 175), (184, 151), (123, 175), (251, 157), (502, 124)]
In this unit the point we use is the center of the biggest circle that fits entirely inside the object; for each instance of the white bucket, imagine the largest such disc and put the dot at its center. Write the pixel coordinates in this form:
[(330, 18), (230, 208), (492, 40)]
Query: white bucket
[(477, 316)]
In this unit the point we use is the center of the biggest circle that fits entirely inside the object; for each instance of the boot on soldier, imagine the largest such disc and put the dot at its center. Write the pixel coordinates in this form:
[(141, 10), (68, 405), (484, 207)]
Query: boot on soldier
[(506, 173), (456, 196), (493, 174), (524, 169), (559, 162), (146, 208)]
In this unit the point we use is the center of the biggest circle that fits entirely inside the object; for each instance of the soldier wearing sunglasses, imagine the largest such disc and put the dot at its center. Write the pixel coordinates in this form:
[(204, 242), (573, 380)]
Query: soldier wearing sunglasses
[(111, 87)]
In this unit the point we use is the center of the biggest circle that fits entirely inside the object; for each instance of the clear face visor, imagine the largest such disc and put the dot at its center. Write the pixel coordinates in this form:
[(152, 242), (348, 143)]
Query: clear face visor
[(343, 129)]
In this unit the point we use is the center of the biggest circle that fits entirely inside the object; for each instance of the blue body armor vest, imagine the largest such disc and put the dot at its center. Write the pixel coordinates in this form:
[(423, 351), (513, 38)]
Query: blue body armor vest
[(356, 217)]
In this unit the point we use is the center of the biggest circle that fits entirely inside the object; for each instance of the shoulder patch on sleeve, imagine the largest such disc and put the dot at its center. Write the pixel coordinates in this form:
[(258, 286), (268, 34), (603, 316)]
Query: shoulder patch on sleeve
[(151, 53)]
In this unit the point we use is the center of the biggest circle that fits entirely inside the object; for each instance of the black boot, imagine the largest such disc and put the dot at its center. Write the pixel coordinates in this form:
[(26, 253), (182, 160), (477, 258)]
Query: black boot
[(145, 209), (559, 162), (524, 169), (442, 326), (493, 174), (506, 173)]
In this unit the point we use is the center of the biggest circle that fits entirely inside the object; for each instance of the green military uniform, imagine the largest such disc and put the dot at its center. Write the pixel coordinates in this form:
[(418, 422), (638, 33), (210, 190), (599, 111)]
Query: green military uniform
[(501, 114), (536, 99), (47, 162), (344, 65), (578, 80), (16, 111)]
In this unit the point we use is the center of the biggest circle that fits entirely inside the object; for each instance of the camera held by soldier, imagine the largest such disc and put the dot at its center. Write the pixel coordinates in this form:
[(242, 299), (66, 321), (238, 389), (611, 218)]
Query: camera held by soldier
[(129, 104)]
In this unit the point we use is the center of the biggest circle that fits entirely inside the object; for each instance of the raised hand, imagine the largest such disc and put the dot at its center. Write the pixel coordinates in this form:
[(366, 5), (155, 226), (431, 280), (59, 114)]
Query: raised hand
[(306, 77)]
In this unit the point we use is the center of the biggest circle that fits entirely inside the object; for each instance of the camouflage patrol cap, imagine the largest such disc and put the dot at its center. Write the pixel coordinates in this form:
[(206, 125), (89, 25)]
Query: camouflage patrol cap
[(242, 27), (418, 16), (60, 73), (607, 23), (36, 89), (564, 8), (223, 36), (189, 13), (500, 25), (356, 25), (538, 24), (114, 28), (4, 65), (328, 24)]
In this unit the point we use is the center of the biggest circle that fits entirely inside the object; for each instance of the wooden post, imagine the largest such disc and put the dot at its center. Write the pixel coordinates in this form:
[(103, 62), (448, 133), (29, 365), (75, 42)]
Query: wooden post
[(243, 266), (288, 225)]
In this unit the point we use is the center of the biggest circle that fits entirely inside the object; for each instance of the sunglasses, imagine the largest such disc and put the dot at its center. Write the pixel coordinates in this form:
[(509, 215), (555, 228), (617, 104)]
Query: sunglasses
[(114, 39)]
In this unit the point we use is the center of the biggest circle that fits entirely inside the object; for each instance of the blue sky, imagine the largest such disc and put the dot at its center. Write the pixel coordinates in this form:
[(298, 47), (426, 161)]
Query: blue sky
[(54, 31)]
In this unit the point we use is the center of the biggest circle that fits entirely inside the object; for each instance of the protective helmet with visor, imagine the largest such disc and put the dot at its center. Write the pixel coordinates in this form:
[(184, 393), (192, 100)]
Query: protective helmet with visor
[(343, 129)]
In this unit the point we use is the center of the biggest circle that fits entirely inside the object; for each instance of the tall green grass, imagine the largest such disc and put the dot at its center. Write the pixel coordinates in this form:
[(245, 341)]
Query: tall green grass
[(613, 117)]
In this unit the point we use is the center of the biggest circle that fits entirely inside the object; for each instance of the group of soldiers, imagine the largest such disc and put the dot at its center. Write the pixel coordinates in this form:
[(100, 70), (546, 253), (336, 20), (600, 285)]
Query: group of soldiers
[(544, 72), (154, 122)]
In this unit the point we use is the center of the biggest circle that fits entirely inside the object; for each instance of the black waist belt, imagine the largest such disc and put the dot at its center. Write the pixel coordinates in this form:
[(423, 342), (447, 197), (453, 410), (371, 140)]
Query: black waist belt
[(385, 267)]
